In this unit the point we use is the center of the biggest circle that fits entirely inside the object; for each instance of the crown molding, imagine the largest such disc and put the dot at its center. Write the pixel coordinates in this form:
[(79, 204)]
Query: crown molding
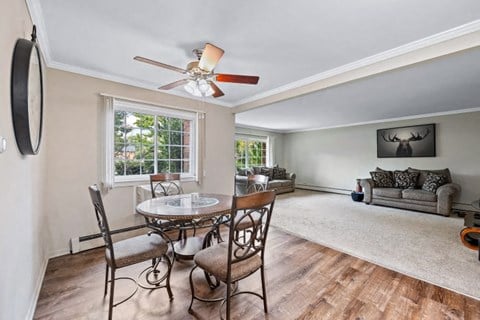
[(131, 82), (409, 48), (418, 116), (244, 126)]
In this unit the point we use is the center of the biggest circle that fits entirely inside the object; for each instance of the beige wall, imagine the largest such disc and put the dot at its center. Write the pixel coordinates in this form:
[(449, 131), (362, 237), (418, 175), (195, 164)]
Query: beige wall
[(74, 152), (275, 139), (23, 245), (334, 158)]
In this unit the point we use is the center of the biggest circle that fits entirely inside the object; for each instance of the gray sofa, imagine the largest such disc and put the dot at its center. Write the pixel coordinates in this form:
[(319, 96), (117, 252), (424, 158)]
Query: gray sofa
[(439, 202), (279, 179)]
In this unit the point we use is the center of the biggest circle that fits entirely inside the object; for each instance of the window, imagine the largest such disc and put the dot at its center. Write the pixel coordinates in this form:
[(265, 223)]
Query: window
[(251, 151), (148, 140)]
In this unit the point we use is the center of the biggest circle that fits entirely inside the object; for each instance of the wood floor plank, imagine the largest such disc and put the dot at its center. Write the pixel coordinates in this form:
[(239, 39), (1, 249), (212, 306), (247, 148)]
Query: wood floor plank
[(304, 281)]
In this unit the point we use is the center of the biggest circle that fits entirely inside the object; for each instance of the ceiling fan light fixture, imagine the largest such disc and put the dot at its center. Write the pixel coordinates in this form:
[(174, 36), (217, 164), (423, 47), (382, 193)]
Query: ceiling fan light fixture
[(199, 88)]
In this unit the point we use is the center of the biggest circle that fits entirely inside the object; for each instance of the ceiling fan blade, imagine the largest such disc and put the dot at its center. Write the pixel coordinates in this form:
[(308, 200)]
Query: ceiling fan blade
[(216, 90), (236, 78), (159, 64), (210, 57), (174, 84)]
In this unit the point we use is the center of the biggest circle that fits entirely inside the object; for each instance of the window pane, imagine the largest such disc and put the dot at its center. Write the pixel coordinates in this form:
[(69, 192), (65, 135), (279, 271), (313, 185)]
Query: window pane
[(186, 166), (119, 167), (175, 152), (250, 152), (132, 167), (142, 140), (163, 166), (176, 166), (148, 167)]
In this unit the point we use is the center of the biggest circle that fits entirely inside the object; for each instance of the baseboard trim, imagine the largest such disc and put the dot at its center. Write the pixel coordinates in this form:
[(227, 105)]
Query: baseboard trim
[(323, 189), (38, 287)]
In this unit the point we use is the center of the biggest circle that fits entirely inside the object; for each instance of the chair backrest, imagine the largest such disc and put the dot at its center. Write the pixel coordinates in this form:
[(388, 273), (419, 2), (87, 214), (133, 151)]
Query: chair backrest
[(255, 208), (166, 184), (101, 218), (257, 183)]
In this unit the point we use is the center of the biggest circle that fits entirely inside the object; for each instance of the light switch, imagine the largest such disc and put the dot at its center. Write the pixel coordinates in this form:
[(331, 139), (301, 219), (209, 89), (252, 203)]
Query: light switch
[(3, 144)]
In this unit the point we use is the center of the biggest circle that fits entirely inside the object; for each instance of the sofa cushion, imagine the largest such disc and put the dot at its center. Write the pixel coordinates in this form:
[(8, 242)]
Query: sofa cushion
[(387, 192), (434, 181), (417, 194), (279, 183), (423, 175), (266, 171), (279, 173), (245, 172), (405, 179), (382, 179)]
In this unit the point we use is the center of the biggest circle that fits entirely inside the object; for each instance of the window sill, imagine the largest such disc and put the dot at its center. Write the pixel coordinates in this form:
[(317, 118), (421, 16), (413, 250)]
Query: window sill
[(123, 183)]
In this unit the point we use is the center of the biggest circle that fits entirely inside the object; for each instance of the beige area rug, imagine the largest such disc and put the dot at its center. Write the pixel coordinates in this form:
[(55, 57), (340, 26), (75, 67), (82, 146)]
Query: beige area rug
[(424, 246)]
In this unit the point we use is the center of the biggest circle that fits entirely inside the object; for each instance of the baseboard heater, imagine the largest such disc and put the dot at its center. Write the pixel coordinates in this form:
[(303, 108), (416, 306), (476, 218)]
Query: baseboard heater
[(91, 241)]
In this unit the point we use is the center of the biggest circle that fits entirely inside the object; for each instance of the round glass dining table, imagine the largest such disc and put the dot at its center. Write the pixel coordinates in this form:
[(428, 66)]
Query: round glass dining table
[(188, 211)]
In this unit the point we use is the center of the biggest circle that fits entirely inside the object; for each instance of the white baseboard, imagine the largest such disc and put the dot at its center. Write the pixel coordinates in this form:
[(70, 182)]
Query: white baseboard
[(38, 287), (323, 189)]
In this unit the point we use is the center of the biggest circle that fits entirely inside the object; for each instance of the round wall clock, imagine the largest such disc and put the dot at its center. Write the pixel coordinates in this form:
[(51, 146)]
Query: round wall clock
[(27, 95)]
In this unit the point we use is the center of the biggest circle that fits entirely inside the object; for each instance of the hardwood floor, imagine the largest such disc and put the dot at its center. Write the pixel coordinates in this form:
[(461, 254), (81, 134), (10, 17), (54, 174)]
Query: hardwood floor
[(304, 281)]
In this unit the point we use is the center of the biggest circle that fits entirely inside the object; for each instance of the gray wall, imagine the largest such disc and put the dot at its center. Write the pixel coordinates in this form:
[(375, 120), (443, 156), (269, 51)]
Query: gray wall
[(276, 142), (334, 158)]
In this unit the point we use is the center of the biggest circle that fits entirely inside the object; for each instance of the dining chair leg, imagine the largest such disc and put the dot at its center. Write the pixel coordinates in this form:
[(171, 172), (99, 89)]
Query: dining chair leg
[(192, 289), (264, 290), (106, 280), (112, 288), (170, 264), (229, 293)]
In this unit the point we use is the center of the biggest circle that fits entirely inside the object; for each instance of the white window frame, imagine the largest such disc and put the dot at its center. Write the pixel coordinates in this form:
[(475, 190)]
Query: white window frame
[(251, 137), (110, 179)]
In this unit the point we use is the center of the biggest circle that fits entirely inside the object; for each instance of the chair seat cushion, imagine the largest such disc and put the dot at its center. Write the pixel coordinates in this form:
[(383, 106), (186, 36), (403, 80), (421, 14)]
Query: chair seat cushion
[(388, 192), (137, 249), (214, 260), (417, 194)]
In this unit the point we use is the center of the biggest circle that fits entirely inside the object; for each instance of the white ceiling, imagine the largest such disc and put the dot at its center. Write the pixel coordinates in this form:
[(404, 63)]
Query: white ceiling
[(280, 42)]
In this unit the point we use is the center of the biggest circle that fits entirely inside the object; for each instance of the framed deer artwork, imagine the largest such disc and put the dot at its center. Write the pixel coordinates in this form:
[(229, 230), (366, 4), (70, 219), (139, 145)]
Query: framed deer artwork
[(413, 141)]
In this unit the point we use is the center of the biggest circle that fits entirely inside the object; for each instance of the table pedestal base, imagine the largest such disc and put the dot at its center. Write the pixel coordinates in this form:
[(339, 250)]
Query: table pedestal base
[(186, 248)]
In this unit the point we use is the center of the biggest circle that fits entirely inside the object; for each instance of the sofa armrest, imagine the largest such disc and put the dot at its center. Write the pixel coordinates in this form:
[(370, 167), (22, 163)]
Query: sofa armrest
[(291, 176), (367, 185), (445, 195)]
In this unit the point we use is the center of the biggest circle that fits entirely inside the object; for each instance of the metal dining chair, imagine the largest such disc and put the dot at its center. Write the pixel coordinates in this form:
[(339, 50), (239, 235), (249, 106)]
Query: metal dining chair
[(256, 183), (236, 259), (165, 184), (152, 246)]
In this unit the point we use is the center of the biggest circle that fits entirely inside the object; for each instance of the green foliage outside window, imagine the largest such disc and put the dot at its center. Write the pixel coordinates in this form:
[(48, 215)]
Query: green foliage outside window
[(146, 144), (249, 153)]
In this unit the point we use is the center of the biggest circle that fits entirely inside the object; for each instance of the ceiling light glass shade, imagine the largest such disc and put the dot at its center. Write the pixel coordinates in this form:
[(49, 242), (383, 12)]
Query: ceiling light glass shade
[(199, 88)]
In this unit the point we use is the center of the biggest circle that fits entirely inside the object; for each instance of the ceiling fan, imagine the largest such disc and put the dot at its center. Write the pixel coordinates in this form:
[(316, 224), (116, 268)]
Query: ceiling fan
[(200, 81)]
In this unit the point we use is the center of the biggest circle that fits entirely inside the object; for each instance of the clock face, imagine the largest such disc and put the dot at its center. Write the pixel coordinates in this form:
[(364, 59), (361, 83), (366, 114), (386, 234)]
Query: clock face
[(34, 99)]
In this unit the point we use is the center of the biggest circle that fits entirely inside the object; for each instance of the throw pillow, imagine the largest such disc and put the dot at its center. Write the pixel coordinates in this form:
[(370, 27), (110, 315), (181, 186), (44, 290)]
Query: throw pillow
[(279, 173), (382, 179), (267, 172), (405, 179), (245, 172), (434, 181)]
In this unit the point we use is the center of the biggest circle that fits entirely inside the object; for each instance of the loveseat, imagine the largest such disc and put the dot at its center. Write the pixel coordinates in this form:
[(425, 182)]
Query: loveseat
[(278, 179), (414, 189)]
